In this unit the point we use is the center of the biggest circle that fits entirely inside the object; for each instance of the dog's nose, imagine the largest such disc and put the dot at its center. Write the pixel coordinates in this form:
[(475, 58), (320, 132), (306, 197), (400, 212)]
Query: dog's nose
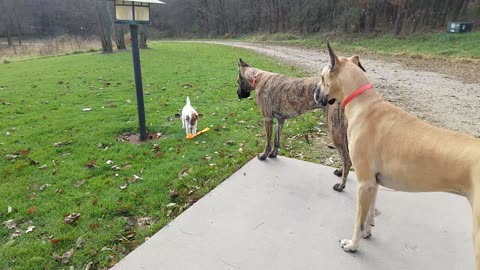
[(317, 95), (320, 97)]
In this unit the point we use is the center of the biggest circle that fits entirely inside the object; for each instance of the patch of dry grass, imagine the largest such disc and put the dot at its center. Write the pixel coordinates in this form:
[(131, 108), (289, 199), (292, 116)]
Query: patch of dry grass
[(34, 48)]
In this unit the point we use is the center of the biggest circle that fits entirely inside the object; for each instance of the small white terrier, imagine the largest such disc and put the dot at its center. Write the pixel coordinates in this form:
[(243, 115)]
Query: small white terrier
[(189, 118)]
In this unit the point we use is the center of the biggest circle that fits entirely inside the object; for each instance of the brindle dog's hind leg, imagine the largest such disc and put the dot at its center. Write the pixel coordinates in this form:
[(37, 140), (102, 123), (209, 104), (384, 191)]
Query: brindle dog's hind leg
[(347, 164), (276, 143), (268, 130)]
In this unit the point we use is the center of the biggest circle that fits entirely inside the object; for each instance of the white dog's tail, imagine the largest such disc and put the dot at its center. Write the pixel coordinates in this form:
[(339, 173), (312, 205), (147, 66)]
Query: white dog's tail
[(188, 101)]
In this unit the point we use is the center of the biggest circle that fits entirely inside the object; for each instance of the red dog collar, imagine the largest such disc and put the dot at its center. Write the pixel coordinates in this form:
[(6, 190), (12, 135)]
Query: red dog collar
[(357, 93), (255, 79)]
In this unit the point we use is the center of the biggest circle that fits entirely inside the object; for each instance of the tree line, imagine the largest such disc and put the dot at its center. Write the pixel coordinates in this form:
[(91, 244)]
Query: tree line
[(213, 18), (218, 17)]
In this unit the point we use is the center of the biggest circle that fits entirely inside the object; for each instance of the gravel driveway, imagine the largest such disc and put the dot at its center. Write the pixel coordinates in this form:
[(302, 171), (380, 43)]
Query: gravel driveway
[(442, 100)]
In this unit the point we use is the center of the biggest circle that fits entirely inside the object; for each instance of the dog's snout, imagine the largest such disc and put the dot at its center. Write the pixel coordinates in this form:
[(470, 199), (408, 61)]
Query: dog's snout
[(318, 96), (242, 94)]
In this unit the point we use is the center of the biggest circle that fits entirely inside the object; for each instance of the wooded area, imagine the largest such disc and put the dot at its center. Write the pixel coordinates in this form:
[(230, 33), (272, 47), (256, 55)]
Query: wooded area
[(217, 17), (21, 19)]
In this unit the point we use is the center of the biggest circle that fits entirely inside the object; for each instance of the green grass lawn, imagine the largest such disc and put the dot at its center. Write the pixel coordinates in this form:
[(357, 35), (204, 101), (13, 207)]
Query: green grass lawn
[(54, 155), (437, 45)]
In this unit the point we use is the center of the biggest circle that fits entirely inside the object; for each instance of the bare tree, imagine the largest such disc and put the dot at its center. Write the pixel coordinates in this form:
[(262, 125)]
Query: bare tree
[(105, 26), (143, 37)]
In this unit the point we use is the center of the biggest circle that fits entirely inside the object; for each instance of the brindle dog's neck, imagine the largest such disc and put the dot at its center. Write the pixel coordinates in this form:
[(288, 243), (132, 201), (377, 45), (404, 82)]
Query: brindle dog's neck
[(249, 73)]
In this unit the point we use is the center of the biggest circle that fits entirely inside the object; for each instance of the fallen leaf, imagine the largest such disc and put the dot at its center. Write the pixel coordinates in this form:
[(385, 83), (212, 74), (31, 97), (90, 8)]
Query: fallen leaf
[(80, 243), (17, 232), (34, 162), (9, 209), (173, 194), (131, 235), (30, 229), (31, 210), (91, 164), (171, 204), (54, 241), (131, 221), (69, 219), (88, 266), (86, 109), (43, 187), (66, 256), (127, 166), (155, 148), (120, 249), (79, 183), (144, 221), (43, 167), (105, 249), (155, 136), (19, 166), (124, 186), (116, 168), (134, 179), (10, 157), (109, 162), (56, 257), (10, 224), (58, 144)]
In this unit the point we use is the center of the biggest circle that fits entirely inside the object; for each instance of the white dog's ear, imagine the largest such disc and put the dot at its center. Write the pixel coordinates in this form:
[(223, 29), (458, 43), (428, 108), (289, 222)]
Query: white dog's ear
[(356, 60), (333, 58)]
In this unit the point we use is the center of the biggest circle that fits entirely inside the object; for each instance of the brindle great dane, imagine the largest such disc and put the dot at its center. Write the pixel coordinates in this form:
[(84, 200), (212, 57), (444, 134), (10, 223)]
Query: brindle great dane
[(283, 97)]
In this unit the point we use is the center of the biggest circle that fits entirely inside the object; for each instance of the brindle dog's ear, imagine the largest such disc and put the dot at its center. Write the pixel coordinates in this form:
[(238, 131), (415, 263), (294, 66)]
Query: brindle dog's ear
[(355, 59), (333, 58), (243, 64)]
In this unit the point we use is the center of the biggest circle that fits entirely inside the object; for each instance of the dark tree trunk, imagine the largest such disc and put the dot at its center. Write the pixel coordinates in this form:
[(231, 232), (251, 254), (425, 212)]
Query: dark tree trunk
[(399, 22), (373, 20), (457, 9), (9, 37), (120, 37), (105, 26), (143, 37), (415, 23)]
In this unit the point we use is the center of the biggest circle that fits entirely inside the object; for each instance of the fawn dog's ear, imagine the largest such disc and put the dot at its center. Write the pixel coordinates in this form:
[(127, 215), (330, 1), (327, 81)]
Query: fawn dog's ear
[(242, 63), (333, 58), (355, 59)]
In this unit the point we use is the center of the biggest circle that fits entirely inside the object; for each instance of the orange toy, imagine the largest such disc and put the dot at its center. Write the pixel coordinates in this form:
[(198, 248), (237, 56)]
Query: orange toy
[(191, 136)]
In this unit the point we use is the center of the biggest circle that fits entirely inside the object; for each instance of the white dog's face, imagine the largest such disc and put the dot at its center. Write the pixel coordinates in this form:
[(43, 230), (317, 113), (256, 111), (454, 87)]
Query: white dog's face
[(189, 119)]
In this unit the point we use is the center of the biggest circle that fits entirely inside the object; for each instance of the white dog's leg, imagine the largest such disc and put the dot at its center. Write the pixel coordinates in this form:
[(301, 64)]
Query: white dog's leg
[(365, 192), (185, 125)]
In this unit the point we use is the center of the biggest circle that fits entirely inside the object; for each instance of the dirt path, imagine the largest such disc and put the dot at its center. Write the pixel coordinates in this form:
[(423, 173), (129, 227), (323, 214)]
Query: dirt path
[(442, 100)]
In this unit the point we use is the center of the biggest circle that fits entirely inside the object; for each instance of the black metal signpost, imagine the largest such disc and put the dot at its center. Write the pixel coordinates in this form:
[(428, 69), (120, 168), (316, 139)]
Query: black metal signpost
[(134, 13), (138, 81)]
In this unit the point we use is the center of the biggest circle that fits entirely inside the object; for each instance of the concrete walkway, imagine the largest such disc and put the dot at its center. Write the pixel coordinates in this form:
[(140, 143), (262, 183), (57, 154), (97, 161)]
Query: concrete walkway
[(283, 214)]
